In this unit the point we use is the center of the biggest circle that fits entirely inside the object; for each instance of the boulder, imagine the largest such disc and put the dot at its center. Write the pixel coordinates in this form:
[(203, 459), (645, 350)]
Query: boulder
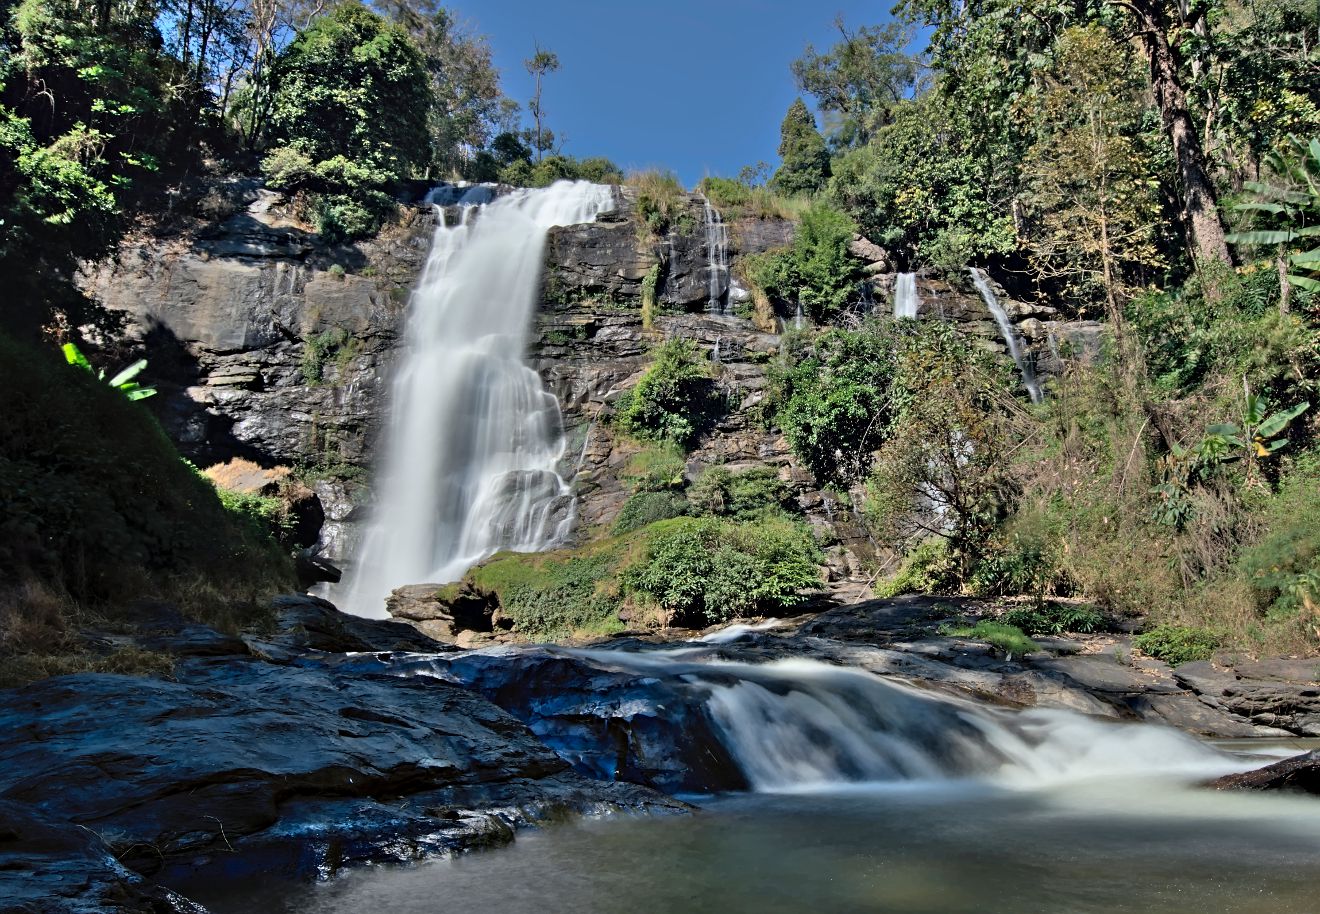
[(1282, 693), (1299, 774)]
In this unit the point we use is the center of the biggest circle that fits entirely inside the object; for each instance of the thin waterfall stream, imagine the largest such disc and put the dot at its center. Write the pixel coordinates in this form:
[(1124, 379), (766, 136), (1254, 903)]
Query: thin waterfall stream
[(906, 299), (1009, 335), (473, 440)]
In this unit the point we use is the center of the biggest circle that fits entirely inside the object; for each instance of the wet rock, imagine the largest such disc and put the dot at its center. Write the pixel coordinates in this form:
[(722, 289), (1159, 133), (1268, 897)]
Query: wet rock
[(1300, 774), (52, 867), (443, 611), (305, 623), (243, 767)]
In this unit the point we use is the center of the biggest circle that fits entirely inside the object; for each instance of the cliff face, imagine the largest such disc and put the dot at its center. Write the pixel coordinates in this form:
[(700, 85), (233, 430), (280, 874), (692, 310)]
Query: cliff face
[(268, 344)]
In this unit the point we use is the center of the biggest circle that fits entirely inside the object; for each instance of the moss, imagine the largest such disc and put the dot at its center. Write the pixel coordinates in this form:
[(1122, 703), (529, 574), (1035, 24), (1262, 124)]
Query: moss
[(1009, 639)]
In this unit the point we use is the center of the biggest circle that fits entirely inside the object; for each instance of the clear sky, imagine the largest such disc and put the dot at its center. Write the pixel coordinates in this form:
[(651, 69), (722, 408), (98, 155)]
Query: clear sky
[(695, 86)]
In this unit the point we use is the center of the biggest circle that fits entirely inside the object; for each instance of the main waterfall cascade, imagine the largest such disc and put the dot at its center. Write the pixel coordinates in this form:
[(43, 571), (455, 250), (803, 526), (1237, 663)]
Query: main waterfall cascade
[(474, 439), (717, 258), (906, 299), (1010, 336)]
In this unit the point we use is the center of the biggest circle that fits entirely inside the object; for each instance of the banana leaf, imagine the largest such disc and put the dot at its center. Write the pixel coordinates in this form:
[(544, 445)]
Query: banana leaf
[(1277, 422), (129, 373)]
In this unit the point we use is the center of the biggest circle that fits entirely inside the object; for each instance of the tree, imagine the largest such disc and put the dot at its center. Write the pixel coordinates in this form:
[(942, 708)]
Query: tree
[(1090, 193), (858, 82), (349, 115), (538, 65), (805, 162)]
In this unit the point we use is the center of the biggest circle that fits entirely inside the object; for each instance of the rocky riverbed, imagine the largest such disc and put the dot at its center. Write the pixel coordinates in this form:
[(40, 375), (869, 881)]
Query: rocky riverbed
[(330, 741)]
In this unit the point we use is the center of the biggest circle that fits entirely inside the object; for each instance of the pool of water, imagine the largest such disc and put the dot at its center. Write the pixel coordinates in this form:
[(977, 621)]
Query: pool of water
[(939, 847)]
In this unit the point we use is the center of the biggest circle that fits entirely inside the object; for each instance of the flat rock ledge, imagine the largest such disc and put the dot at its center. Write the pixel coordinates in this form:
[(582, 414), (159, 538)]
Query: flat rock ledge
[(268, 762), (1300, 774)]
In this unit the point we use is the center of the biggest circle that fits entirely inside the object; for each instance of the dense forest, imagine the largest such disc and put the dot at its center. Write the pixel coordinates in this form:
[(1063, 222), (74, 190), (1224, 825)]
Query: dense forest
[(1152, 164)]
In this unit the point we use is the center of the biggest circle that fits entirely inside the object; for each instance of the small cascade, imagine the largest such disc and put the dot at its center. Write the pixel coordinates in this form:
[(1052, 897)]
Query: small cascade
[(801, 724), (473, 441), (717, 258), (797, 320), (906, 299), (715, 351), (1009, 335)]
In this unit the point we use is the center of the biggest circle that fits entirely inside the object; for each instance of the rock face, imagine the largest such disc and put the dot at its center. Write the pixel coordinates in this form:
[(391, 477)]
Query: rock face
[(268, 344), (1279, 693)]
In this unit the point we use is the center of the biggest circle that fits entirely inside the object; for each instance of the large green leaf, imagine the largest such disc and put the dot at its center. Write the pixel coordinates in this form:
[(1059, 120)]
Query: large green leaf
[(129, 373), (73, 355), (1277, 422), (1265, 236)]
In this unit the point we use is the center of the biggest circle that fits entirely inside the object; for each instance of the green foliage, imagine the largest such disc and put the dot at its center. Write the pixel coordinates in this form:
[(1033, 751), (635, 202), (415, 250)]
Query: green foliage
[(919, 186), (927, 568), (122, 382), (264, 515), (333, 346), (1009, 639), (805, 162), (832, 398), (523, 172), (650, 282), (674, 401), (736, 199), (95, 501), (656, 469), (1055, 619), (662, 203), (709, 570), (1282, 569), (552, 596), (346, 64), (1291, 210), (817, 271), (1178, 644), (746, 494), (645, 508)]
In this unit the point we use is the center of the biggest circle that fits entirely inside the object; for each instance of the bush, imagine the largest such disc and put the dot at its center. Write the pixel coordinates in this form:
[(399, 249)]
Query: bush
[(525, 173), (831, 399), (655, 469), (1001, 636), (552, 596), (817, 271), (662, 203), (1055, 619), (744, 495), (929, 568), (708, 570), (1178, 644), (1283, 567), (644, 508), (674, 401)]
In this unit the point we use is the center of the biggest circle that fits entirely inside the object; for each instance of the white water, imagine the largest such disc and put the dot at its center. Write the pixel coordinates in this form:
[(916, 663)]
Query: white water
[(906, 299), (1010, 336), (717, 258), (473, 439), (803, 725)]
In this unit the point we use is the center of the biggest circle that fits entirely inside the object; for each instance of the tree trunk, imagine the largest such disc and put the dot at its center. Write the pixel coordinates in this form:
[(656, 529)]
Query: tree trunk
[(1199, 203)]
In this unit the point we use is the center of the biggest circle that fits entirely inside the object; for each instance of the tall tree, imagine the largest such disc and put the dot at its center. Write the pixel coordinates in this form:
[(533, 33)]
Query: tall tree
[(538, 65), (1090, 190), (805, 162), (858, 82)]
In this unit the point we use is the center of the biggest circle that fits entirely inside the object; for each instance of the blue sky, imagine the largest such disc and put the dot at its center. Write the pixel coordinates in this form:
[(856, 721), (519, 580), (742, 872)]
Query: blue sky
[(695, 87)]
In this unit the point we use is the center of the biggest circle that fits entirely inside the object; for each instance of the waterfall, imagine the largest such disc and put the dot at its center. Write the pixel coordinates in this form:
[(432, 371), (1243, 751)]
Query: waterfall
[(473, 438), (1007, 332), (717, 258), (906, 299), (797, 319), (801, 724)]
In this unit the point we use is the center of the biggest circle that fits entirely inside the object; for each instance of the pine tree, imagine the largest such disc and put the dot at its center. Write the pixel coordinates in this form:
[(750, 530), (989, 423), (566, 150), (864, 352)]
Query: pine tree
[(805, 160)]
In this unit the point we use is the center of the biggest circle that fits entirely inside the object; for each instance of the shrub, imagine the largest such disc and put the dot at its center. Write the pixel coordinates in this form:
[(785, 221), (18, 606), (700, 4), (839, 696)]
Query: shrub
[(709, 570), (662, 203), (552, 596), (674, 400), (644, 508), (1055, 619), (1001, 636), (928, 568), (745, 495), (817, 271), (1178, 644), (655, 469), (1283, 567)]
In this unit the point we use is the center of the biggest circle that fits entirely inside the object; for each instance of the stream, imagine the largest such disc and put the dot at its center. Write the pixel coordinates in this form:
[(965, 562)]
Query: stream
[(867, 794)]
